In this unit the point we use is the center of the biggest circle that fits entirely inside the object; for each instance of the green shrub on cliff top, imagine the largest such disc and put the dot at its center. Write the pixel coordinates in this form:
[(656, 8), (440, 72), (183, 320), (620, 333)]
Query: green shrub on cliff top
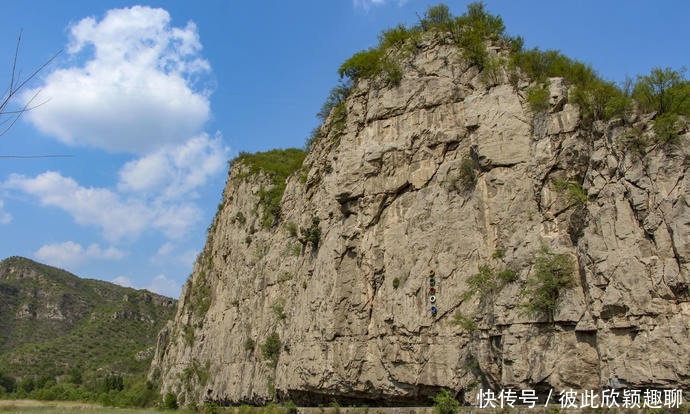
[(278, 164)]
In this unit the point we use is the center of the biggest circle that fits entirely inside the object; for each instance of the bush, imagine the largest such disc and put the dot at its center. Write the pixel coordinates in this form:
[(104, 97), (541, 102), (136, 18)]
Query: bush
[(396, 283), (399, 38), (278, 309), (537, 98), (445, 403), (597, 99), (464, 322), (482, 283), (170, 401), (239, 218), (113, 382), (492, 73), (466, 177), (337, 96), (294, 249), (487, 282), (210, 408), (664, 90), (666, 128), (188, 335), (575, 194), (290, 408), (312, 234), (438, 16), (383, 60), (291, 228), (270, 349), (473, 29), (249, 344), (200, 295), (8, 383), (364, 64), (551, 274), (600, 100), (499, 253), (507, 276), (634, 141)]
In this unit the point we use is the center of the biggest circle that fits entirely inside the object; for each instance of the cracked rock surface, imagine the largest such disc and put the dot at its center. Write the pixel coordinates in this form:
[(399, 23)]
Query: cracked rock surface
[(393, 203)]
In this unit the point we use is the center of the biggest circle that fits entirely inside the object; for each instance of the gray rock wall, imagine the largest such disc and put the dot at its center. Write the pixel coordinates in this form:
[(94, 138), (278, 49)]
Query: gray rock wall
[(394, 203)]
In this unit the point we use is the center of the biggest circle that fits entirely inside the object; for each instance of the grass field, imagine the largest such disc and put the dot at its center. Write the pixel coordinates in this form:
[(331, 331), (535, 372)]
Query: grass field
[(53, 407)]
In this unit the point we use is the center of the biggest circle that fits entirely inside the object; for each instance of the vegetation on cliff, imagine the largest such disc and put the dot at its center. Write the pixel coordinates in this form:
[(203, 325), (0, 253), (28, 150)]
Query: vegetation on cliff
[(558, 191), (278, 165), (664, 91)]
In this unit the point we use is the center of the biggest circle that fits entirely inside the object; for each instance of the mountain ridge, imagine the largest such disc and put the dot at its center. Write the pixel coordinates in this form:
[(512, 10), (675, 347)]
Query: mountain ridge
[(52, 321)]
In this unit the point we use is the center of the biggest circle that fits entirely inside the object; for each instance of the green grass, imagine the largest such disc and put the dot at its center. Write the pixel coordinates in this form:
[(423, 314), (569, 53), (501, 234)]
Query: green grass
[(84, 410), (278, 165), (573, 191)]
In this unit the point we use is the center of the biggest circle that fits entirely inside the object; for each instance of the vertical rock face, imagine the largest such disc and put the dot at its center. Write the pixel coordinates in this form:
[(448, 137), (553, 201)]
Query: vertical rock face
[(449, 175)]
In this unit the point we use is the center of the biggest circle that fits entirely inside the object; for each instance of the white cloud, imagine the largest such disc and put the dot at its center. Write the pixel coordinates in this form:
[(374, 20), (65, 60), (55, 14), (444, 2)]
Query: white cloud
[(366, 4), (5, 217), (165, 249), (160, 284), (177, 171), (154, 191), (136, 92), (164, 286), (123, 281), (70, 254), (189, 257), (169, 252), (118, 217), (99, 207)]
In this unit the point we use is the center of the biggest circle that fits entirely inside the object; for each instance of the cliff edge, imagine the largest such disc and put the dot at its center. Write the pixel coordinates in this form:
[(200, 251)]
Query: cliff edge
[(442, 233)]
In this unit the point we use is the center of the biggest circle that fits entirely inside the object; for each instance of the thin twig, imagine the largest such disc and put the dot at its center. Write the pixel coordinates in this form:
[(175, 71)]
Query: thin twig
[(38, 156)]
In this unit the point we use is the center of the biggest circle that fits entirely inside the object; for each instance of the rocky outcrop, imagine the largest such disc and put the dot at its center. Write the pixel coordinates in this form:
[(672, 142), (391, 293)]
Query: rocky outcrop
[(448, 174)]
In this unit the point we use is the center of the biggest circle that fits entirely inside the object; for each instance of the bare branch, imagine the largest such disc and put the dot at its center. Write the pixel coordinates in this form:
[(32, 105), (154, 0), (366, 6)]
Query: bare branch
[(16, 84), (38, 156)]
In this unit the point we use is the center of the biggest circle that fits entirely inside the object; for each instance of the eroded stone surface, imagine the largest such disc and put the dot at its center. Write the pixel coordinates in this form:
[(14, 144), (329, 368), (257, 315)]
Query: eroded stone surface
[(392, 207)]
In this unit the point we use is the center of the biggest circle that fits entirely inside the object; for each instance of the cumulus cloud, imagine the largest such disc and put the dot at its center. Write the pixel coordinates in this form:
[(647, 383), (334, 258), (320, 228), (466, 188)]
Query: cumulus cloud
[(118, 217), (366, 4), (160, 284), (70, 254), (154, 192), (164, 286), (136, 92), (5, 217), (123, 281), (169, 251), (99, 207), (175, 171)]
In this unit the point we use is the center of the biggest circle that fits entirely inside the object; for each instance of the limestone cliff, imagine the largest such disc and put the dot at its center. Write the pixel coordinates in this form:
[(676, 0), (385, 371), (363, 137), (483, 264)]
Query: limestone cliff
[(452, 176)]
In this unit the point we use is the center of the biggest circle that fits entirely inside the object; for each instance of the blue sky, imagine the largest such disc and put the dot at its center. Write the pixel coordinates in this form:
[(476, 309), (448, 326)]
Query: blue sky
[(150, 100)]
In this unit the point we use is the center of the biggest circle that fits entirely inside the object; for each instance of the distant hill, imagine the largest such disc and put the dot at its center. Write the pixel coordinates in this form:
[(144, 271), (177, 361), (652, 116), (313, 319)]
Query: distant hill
[(54, 323)]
